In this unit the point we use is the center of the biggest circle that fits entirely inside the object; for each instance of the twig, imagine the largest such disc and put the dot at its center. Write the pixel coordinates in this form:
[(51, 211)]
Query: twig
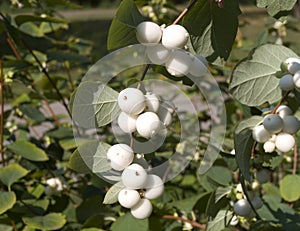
[(184, 12), (143, 75), (2, 112), (69, 76), (56, 120), (280, 102), (295, 159), (193, 223)]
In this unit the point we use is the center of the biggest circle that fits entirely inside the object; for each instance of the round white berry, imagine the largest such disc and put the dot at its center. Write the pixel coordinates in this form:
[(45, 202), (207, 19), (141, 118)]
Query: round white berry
[(148, 33), (147, 124), (260, 134), (273, 123), (142, 209), (165, 115), (174, 36), (152, 102), (242, 207), (154, 187), (158, 54), (263, 175), (296, 79), (234, 221), (131, 101), (291, 124), (257, 202), (199, 66), (283, 111), (128, 198), (127, 123), (179, 63), (269, 146), (120, 156), (284, 142), (292, 64), (286, 82), (134, 176)]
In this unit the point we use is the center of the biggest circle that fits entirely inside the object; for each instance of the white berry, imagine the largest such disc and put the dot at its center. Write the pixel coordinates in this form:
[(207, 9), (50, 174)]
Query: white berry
[(175, 36), (291, 124), (142, 209), (199, 66), (263, 175), (152, 102), (242, 207), (147, 124), (179, 63), (284, 142), (158, 54), (128, 198), (296, 79), (234, 221), (260, 134), (165, 115), (120, 156), (269, 146), (273, 123), (286, 82), (148, 33), (257, 202), (293, 65), (154, 187), (283, 111), (127, 123), (134, 176), (131, 101)]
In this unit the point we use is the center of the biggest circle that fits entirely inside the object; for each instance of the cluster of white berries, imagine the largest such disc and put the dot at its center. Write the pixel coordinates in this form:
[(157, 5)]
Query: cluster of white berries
[(140, 188), (54, 187), (276, 130), (291, 77), (143, 113), (164, 47)]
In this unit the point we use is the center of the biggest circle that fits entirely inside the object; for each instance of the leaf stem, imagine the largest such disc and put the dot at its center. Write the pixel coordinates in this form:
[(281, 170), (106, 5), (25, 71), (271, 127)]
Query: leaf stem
[(280, 102), (193, 223), (295, 159), (184, 12), (2, 112)]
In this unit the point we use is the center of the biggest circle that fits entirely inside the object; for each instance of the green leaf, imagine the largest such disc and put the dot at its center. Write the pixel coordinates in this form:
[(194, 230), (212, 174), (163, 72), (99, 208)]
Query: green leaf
[(248, 123), (20, 19), (188, 203), (70, 56), (210, 34), (243, 143), (77, 164), (31, 29), (51, 221), (32, 112), (122, 30), (111, 195), (222, 192), (28, 150), (12, 173), (7, 201), (253, 80), (289, 187), (101, 163), (129, 223), (220, 221), (277, 8), (94, 101)]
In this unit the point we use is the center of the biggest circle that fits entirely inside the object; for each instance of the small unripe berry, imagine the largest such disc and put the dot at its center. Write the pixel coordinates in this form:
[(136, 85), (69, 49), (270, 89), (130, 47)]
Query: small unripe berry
[(142, 209), (263, 175), (127, 123), (158, 54), (291, 124), (154, 187), (283, 111), (131, 101), (284, 142), (174, 36), (134, 176), (128, 198), (120, 156), (147, 124), (148, 33), (242, 207), (286, 82), (152, 102), (179, 63), (273, 123), (260, 134), (199, 66), (292, 64), (269, 146)]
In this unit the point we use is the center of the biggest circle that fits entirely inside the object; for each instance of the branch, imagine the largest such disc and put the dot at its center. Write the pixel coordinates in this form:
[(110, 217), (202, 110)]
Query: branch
[(2, 112), (184, 12), (295, 159), (193, 223)]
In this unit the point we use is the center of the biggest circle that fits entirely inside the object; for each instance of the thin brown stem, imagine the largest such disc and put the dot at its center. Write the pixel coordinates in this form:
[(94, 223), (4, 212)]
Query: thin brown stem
[(2, 112), (56, 120), (69, 76), (143, 76), (295, 162), (280, 102), (184, 12), (193, 223), (13, 225)]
